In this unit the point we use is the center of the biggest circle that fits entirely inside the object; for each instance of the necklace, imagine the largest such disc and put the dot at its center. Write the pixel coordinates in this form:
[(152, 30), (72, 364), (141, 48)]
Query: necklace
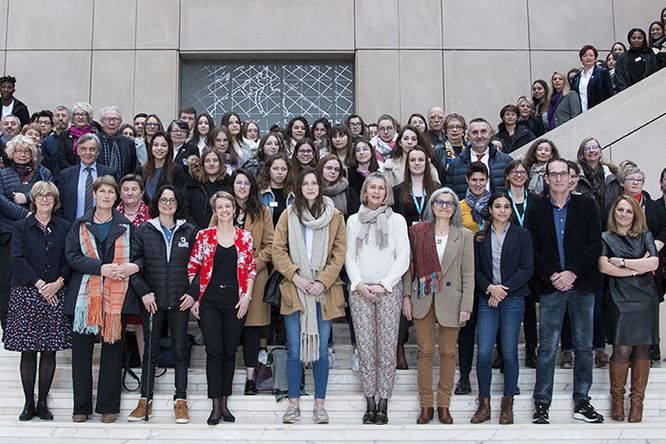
[(439, 240), (100, 221)]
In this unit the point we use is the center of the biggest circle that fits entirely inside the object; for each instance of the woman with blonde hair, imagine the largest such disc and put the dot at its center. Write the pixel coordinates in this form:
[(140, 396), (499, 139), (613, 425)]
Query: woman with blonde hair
[(564, 104)]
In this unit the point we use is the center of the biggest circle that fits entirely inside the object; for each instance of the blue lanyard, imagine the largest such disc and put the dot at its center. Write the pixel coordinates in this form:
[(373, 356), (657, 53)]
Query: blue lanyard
[(419, 206), (521, 219)]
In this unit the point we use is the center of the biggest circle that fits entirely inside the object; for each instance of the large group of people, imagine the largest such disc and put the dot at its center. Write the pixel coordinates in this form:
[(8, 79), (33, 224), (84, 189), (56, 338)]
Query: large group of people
[(431, 223)]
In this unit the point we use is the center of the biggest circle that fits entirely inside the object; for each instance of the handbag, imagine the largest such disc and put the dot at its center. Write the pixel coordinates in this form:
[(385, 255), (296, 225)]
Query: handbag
[(272, 289)]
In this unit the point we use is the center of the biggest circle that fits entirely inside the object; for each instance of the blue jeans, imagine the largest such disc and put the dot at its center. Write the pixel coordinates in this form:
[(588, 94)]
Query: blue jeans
[(292, 324), (506, 317), (580, 307)]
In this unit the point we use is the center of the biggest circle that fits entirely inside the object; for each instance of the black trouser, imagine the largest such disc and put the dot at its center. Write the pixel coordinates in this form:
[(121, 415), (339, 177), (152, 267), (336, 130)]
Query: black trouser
[(466, 337), (250, 340), (221, 331), (109, 380), (5, 276), (177, 321)]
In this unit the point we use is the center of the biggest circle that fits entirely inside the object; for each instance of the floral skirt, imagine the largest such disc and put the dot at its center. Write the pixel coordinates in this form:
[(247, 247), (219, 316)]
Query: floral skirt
[(33, 324)]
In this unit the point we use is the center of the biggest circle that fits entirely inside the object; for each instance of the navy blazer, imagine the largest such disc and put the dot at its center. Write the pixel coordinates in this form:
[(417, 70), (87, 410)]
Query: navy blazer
[(599, 88), (516, 265), (582, 243), (68, 186)]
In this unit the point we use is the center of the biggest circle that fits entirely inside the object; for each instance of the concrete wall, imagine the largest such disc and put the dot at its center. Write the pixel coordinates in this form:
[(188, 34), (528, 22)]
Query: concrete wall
[(473, 56)]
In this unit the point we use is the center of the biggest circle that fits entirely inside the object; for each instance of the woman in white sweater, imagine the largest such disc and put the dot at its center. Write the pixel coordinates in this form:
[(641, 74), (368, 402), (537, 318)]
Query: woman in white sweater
[(376, 236)]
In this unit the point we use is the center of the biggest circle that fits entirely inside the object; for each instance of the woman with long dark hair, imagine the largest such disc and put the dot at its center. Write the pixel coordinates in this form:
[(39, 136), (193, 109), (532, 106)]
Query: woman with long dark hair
[(309, 251), (394, 165), (208, 175), (276, 185), (269, 145), (361, 164), (160, 169), (305, 154), (336, 186)]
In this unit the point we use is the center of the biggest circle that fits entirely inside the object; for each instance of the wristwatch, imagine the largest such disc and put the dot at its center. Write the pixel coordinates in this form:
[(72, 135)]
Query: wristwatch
[(622, 263)]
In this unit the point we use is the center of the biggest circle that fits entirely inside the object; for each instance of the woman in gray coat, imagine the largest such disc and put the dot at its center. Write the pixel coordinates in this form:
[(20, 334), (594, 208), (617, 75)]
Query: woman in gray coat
[(442, 272)]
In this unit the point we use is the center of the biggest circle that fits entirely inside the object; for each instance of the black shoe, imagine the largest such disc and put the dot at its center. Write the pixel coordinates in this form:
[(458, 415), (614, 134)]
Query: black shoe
[(251, 387), (381, 417), (43, 411), (226, 414), (585, 412), (28, 411), (540, 414), (216, 413), (370, 410), (463, 387), (517, 391), (530, 356)]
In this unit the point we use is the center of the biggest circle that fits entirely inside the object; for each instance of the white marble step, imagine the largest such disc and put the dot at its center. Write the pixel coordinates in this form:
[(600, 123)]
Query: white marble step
[(164, 431)]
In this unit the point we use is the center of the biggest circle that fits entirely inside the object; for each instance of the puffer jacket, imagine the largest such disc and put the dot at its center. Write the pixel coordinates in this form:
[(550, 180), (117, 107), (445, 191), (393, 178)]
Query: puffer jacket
[(163, 272), (198, 196), (10, 182), (456, 174)]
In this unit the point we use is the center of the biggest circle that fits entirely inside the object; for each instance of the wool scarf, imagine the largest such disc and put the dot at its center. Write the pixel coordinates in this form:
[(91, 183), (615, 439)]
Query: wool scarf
[(338, 194), (536, 178), (479, 206), (378, 217), (77, 132), (111, 155), (427, 266), (100, 300), (309, 267)]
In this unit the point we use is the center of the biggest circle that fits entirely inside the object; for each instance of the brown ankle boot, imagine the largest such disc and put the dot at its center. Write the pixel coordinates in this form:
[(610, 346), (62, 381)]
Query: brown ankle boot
[(640, 373), (483, 412), (618, 380), (426, 415), (444, 415), (506, 410)]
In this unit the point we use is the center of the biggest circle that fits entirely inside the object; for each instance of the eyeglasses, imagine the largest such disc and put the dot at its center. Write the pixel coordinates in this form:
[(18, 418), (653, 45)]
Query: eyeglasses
[(167, 200), (242, 183), (558, 174), (444, 203), (22, 151), (634, 180), (354, 124), (152, 124), (47, 196), (111, 119), (305, 152), (587, 149), (79, 114), (519, 173)]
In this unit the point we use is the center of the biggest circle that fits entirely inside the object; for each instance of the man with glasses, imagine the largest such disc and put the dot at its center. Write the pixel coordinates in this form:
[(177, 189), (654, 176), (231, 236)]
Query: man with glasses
[(117, 151), (566, 235), (76, 182)]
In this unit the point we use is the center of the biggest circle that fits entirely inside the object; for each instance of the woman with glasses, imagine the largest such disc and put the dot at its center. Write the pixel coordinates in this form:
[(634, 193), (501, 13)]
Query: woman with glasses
[(162, 245), (357, 127), (598, 178), (504, 265), (336, 186), (254, 217), (376, 234), (82, 115), (305, 155), (386, 139), (441, 286), (35, 322)]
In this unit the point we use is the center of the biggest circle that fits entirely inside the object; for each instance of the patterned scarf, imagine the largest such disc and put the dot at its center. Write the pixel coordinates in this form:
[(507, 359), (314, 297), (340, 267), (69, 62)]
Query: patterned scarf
[(77, 132), (142, 214), (379, 218), (427, 267), (479, 206), (309, 268), (536, 178), (99, 303), (111, 155), (597, 179)]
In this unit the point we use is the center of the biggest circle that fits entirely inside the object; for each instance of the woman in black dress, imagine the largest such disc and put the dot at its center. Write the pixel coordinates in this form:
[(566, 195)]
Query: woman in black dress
[(35, 322), (628, 258)]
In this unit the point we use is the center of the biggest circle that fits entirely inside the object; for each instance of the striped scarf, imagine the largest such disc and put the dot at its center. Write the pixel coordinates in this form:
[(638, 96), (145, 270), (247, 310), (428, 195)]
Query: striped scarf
[(100, 300)]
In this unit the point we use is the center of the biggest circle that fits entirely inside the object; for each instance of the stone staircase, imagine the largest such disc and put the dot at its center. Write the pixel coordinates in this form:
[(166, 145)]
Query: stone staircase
[(259, 417)]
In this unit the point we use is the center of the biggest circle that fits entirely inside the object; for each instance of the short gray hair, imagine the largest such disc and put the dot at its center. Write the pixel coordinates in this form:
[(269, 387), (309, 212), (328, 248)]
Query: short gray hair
[(9, 116), (630, 171), (429, 217), (63, 108), (87, 107), (110, 109), (87, 137)]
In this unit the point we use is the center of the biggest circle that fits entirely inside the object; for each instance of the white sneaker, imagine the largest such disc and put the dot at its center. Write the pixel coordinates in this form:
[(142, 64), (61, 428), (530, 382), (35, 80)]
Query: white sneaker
[(353, 362), (331, 358)]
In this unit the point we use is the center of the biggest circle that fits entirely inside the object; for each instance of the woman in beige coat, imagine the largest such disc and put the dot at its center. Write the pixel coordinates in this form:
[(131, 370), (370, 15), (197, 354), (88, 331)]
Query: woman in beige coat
[(309, 250), (253, 216), (442, 293)]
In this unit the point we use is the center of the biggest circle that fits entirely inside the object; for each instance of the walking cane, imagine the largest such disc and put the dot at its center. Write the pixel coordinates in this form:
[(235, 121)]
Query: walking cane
[(150, 365)]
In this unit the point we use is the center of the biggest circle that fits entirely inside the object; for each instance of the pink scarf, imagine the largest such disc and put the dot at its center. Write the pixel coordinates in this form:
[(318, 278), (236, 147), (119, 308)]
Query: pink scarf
[(77, 132)]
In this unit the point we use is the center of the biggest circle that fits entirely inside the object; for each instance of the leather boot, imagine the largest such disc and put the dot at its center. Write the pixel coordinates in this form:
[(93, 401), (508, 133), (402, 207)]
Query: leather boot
[(506, 410), (426, 415), (640, 373), (401, 360), (483, 412), (618, 380), (444, 415)]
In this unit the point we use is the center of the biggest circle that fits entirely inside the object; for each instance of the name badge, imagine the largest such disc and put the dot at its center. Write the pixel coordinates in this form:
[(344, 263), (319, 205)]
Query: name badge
[(638, 59), (183, 243), (273, 204), (415, 222)]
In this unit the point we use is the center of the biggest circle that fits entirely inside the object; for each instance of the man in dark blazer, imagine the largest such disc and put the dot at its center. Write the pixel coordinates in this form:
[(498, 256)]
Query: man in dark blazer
[(566, 235), (116, 151), (73, 179)]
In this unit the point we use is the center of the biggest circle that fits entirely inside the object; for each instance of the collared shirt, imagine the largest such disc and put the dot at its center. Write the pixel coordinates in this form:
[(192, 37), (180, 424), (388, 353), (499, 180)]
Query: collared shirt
[(81, 188), (484, 159), (582, 87), (497, 241), (560, 220)]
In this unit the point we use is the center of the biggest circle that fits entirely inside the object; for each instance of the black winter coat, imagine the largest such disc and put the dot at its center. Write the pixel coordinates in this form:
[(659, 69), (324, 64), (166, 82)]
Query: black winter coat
[(625, 65), (81, 264), (167, 279), (198, 197), (521, 136)]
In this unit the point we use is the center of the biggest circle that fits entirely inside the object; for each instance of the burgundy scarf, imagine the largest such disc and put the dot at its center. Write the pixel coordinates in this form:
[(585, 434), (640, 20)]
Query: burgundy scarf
[(425, 258), (77, 132)]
